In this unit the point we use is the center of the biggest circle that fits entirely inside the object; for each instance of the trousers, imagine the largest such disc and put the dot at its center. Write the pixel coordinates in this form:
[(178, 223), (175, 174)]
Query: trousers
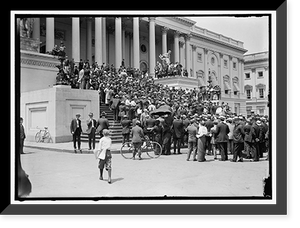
[(92, 139), (76, 138), (223, 150)]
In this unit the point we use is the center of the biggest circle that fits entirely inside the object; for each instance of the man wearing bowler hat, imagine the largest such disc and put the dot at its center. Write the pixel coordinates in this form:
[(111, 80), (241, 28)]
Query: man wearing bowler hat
[(92, 124), (76, 130)]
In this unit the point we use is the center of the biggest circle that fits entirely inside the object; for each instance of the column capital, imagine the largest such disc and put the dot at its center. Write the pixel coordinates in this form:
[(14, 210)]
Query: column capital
[(221, 54), (194, 47), (205, 50), (181, 43), (176, 33), (164, 29), (187, 37), (151, 19)]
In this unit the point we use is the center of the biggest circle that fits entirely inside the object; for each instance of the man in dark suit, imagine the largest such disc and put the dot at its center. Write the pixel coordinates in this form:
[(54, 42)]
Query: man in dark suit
[(137, 139), (208, 124), (125, 128), (258, 137), (22, 136), (76, 130), (92, 124), (102, 124), (238, 139), (222, 138), (178, 132)]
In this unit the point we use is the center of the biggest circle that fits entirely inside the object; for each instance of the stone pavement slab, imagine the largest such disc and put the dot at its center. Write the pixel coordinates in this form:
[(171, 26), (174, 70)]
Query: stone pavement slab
[(77, 175), (67, 146)]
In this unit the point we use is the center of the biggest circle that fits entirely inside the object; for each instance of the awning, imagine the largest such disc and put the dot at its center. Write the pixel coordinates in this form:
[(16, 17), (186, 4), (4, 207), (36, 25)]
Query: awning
[(236, 87), (226, 86)]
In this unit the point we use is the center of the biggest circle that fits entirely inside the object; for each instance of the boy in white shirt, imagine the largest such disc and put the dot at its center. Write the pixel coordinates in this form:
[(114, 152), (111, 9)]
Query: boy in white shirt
[(103, 153)]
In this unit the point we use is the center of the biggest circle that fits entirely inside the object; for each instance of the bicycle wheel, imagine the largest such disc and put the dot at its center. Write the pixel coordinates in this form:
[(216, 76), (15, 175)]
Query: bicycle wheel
[(37, 136), (153, 149), (127, 150), (47, 138)]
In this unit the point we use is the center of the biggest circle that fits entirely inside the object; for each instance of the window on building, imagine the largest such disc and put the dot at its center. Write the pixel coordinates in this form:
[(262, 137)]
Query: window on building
[(248, 93), (226, 91), (199, 57), (235, 92), (225, 63), (261, 111), (247, 75), (260, 74), (261, 93), (234, 65)]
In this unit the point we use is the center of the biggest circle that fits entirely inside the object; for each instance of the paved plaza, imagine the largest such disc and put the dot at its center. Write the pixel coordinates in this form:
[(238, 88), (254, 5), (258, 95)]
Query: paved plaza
[(61, 174)]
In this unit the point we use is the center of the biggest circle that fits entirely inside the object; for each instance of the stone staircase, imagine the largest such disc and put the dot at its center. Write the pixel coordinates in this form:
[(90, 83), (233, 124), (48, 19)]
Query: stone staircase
[(115, 127)]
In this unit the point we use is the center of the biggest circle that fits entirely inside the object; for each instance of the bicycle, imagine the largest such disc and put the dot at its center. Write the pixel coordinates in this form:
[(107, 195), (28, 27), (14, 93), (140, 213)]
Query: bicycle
[(43, 135), (153, 149)]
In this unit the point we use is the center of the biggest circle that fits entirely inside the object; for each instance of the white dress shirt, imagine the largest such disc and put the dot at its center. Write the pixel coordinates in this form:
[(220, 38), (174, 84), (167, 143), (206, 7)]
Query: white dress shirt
[(202, 131)]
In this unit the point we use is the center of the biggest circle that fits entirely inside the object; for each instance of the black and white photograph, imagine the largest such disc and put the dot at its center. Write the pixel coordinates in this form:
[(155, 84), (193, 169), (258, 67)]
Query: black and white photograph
[(144, 107)]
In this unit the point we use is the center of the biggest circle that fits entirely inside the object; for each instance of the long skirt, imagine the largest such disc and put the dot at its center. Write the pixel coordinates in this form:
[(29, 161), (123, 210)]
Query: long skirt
[(201, 149)]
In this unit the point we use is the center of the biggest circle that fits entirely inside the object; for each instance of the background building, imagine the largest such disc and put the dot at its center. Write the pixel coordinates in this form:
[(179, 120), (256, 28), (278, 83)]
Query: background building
[(257, 82)]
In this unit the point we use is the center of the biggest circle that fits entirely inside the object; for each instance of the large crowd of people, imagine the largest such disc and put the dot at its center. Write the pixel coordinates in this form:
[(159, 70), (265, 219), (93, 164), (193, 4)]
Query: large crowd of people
[(205, 126)]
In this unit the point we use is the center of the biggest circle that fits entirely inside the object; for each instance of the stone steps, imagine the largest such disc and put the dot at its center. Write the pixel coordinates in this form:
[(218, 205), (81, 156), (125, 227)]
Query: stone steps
[(115, 127)]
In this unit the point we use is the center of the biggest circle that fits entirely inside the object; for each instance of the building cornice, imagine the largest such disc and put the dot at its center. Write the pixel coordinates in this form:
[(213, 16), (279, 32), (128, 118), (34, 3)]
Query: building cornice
[(223, 43), (183, 20)]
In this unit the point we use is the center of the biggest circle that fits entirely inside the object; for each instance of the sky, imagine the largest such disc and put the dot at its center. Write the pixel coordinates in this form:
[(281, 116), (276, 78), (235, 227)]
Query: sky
[(253, 31)]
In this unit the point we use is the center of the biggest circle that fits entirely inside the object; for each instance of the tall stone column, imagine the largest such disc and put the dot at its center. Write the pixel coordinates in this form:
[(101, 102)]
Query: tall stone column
[(104, 40), (76, 39), (89, 40), (124, 45), (187, 54), (194, 58), (151, 46), (98, 40), (36, 30), (221, 84), (181, 54), (230, 70), (164, 31), (49, 33), (118, 42), (176, 46), (136, 43), (205, 65)]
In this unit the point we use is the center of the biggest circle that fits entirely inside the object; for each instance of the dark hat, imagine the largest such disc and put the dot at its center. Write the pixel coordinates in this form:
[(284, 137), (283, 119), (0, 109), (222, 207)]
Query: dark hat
[(77, 114), (91, 114)]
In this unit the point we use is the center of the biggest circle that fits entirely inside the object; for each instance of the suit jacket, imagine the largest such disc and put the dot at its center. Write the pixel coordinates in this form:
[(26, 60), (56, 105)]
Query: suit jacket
[(22, 132), (90, 125), (137, 134), (115, 103), (221, 133), (209, 124), (102, 124), (178, 129), (126, 126), (249, 133), (238, 133), (192, 132), (73, 125)]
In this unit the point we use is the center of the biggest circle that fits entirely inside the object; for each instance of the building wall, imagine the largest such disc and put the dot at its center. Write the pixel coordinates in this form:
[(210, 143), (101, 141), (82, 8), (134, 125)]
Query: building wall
[(55, 108), (38, 71), (255, 63)]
